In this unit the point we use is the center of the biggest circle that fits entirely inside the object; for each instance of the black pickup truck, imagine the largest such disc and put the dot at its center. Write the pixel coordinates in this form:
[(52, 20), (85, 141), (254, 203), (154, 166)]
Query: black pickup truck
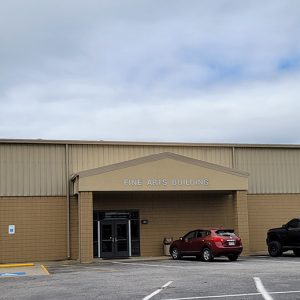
[(284, 238)]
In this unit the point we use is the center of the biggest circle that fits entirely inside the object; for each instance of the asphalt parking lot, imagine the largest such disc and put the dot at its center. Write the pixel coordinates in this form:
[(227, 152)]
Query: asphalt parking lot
[(248, 278)]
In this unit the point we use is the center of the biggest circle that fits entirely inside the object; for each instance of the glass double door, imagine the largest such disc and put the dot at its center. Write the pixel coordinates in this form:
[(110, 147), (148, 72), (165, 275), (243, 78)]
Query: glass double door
[(114, 238)]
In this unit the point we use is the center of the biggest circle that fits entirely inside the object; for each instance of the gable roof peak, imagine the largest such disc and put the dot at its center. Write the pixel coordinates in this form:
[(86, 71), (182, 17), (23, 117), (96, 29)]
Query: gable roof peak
[(157, 157)]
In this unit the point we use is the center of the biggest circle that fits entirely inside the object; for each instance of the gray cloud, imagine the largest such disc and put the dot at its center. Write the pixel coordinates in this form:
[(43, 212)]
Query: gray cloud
[(223, 71)]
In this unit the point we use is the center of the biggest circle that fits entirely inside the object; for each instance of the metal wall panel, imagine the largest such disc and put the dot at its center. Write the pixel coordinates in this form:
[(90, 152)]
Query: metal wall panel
[(32, 170), (272, 170)]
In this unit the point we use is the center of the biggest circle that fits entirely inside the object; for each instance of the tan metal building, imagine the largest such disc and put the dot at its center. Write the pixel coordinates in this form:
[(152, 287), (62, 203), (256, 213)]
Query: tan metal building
[(84, 199)]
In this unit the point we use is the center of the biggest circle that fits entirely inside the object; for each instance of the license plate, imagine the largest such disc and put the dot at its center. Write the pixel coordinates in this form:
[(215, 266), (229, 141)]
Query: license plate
[(231, 243)]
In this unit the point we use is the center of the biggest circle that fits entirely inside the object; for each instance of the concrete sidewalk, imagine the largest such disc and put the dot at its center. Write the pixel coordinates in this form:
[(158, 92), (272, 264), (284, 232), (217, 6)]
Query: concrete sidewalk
[(105, 260)]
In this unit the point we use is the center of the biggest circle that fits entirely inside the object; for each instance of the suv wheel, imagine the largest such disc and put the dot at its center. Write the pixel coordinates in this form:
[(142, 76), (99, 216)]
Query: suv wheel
[(275, 249), (175, 253), (296, 252), (233, 257), (207, 255)]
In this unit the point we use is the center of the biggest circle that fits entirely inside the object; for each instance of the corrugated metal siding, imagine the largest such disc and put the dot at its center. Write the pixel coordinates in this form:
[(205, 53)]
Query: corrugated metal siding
[(84, 157), (39, 169), (32, 170), (272, 171)]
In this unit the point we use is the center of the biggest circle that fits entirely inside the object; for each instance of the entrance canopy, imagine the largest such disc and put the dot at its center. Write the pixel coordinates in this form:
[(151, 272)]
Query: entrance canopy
[(161, 172)]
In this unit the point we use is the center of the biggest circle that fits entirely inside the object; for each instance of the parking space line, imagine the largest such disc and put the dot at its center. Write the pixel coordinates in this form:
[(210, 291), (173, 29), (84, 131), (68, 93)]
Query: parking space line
[(148, 265), (45, 269), (157, 291), (217, 296), (260, 287), (229, 296), (12, 274), (277, 261)]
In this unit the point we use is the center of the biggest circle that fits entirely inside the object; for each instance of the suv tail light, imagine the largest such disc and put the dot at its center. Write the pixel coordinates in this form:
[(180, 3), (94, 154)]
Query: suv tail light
[(239, 242), (218, 239)]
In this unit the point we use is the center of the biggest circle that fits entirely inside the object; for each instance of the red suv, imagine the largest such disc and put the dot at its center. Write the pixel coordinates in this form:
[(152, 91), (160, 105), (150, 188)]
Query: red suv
[(207, 244)]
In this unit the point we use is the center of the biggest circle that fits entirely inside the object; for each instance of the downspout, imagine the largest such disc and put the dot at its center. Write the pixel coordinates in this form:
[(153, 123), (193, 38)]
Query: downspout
[(79, 228), (68, 202), (233, 158)]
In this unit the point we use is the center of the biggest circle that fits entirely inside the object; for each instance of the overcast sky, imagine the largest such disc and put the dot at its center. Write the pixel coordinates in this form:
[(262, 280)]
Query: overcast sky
[(151, 70)]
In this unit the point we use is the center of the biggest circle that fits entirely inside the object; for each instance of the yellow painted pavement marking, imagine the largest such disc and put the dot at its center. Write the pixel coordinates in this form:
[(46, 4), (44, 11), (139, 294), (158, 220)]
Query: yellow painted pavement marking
[(45, 269), (16, 265)]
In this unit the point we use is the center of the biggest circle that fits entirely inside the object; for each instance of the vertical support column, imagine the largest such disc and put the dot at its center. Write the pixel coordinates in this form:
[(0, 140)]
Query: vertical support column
[(85, 214), (241, 218)]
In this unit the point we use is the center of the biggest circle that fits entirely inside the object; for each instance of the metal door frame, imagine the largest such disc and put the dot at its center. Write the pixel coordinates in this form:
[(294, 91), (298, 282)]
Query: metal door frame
[(114, 222)]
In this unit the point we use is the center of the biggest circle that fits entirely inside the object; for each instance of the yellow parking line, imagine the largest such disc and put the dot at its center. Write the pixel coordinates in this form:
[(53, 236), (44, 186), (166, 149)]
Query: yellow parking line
[(16, 265), (45, 269)]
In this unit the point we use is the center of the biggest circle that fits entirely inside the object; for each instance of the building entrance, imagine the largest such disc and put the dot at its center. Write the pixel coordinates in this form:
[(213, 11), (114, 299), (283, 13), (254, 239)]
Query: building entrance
[(116, 234), (114, 238)]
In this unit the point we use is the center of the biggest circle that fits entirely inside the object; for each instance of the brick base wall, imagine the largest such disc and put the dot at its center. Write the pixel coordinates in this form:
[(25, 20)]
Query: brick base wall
[(40, 224), (41, 221), (269, 211)]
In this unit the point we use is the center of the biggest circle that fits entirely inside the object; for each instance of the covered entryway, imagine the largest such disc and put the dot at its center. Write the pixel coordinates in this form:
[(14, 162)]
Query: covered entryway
[(159, 187)]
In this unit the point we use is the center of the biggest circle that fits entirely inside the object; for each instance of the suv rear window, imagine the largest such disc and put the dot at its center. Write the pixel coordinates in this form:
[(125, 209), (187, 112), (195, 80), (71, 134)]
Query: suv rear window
[(225, 232)]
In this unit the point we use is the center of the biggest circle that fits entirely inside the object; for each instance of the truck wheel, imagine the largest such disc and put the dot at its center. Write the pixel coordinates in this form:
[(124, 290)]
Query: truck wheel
[(296, 252), (275, 249)]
